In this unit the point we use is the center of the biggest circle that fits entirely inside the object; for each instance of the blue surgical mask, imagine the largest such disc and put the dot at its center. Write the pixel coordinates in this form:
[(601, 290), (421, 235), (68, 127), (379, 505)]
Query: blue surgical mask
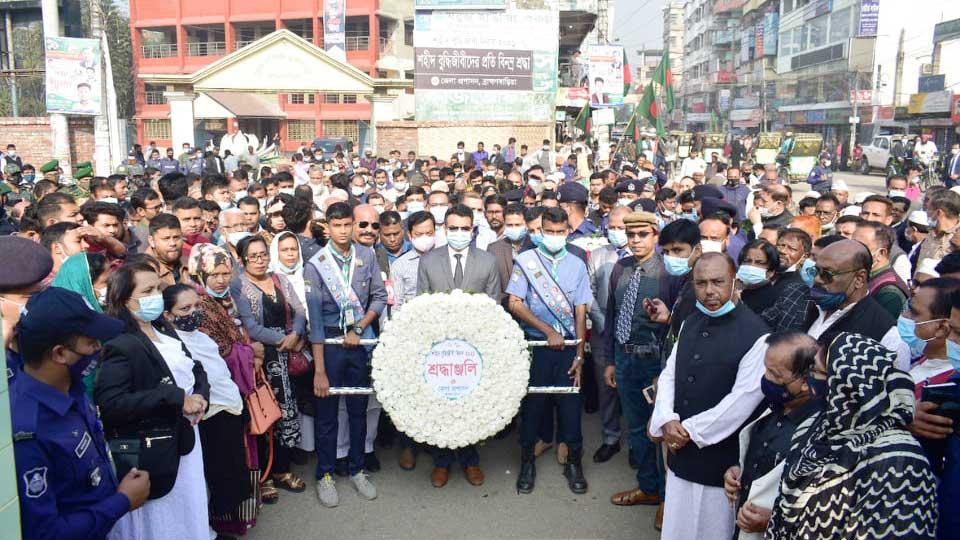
[(554, 243), (151, 307), (828, 301), (215, 294), (953, 354), (776, 395), (908, 333), (724, 309), (808, 271), (818, 387), (458, 239), (536, 239), (751, 275), (692, 216), (617, 237), (676, 266), (439, 213), (515, 234)]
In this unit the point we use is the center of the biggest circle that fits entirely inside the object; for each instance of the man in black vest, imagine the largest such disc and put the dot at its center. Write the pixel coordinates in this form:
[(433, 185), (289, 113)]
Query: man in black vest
[(707, 392), (840, 290)]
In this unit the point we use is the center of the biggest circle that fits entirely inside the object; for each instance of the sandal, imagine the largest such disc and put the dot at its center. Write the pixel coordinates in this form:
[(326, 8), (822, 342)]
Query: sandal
[(290, 482), (269, 493)]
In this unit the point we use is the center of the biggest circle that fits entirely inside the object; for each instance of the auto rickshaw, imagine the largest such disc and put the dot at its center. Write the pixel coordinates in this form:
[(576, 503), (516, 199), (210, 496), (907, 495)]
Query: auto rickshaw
[(713, 143), (768, 146), (805, 155), (684, 143)]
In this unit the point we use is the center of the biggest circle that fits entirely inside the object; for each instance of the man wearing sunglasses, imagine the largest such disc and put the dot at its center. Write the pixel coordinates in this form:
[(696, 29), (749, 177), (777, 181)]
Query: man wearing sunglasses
[(843, 303)]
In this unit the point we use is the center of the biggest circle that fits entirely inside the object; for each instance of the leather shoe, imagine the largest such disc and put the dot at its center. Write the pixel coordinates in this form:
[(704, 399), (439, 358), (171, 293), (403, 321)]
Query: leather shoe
[(474, 475), (408, 460), (370, 462), (658, 520), (633, 497), (439, 476), (605, 452)]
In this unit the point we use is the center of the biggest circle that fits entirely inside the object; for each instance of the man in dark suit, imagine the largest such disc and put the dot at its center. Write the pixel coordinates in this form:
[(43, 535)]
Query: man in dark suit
[(458, 265), (951, 173)]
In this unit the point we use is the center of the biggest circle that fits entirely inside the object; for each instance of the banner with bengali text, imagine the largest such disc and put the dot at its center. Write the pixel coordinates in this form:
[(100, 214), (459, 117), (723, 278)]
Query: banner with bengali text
[(73, 75), (335, 29)]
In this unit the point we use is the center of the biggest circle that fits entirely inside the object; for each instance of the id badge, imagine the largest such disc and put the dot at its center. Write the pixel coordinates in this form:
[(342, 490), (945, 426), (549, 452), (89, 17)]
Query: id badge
[(391, 296), (348, 320)]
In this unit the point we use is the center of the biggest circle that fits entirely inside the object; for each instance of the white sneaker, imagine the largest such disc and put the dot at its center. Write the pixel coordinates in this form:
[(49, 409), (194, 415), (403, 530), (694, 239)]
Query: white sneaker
[(364, 487), (327, 491)]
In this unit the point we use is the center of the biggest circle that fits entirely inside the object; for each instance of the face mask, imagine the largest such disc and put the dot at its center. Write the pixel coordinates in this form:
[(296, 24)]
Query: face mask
[(667, 213), (288, 191), (808, 271), (751, 275), (776, 395), (215, 294), (554, 243), (379, 209), (400, 186), (239, 194), (235, 237), (356, 190), (458, 240), (11, 153), (692, 216), (188, 323), (151, 307), (29, 178), (827, 300), (356, 163), (262, 203), (224, 204), (826, 163), (101, 296), (82, 367), (533, 184), (624, 202), (896, 193), (724, 309), (764, 212), (617, 237), (546, 148), (932, 222), (480, 220), (711, 246), (537, 239), (439, 213), (424, 244), (818, 387), (676, 266), (404, 214), (908, 333), (515, 234), (414, 206)]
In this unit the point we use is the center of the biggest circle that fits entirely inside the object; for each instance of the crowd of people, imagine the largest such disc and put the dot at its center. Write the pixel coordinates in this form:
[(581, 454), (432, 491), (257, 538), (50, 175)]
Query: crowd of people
[(777, 363)]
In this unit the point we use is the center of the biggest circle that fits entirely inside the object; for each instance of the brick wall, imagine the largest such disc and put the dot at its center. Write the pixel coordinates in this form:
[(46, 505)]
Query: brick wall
[(440, 138), (34, 143)]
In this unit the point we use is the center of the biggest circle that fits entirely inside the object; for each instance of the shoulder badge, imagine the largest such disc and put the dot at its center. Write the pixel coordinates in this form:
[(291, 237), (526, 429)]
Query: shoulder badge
[(35, 481), (23, 436)]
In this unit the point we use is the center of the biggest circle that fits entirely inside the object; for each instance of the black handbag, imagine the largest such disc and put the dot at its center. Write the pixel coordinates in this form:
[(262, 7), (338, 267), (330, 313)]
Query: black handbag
[(155, 450)]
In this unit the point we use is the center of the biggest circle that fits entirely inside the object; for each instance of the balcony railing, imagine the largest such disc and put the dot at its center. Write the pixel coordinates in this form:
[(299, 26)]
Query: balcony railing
[(239, 44), (385, 44), (206, 48), (158, 50), (154, 97), (357, 43)]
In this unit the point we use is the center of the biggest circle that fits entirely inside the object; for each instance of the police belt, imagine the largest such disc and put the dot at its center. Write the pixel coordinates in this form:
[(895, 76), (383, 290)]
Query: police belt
[(641, 349)]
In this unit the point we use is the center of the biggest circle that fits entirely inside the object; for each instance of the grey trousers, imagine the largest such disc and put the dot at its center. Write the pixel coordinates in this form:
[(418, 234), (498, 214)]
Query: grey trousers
[(607, 397)]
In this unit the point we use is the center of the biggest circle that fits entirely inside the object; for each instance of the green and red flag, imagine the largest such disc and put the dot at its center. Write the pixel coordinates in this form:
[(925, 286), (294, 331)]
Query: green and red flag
[(584, 123), (650, 110), (633, 129), (627, 76), (664, 77)]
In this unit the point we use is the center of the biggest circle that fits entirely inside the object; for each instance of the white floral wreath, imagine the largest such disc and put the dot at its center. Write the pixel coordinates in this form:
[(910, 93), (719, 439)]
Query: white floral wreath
[(451, 385)]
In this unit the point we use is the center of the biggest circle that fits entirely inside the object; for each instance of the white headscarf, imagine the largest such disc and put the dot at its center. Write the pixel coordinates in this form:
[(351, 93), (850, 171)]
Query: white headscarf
[(295, 274)]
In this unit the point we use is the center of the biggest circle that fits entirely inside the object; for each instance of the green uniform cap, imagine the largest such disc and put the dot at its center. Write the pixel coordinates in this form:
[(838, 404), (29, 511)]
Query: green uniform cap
[(84, 172), (50, 166), (84, 165)]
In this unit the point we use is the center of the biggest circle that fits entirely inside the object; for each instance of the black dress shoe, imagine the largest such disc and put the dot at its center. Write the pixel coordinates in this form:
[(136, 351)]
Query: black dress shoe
[(342, 467), (573, 471), (605, 452), (371, 463), (528, 472)]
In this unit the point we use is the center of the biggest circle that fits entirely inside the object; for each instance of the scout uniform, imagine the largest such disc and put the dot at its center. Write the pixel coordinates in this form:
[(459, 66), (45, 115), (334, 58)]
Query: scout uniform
[(65, 479)]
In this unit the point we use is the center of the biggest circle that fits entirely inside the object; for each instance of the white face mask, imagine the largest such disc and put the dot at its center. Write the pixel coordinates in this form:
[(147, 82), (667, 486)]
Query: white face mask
[(896, 193), (111, 200), (356, 190), (711, 246), (288, 191), (624, 202), (239, 194), (423, 243), (400, 186), (414, 206)]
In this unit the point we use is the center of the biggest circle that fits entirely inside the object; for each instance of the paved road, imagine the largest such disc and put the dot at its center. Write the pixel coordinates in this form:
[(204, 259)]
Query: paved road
[(875, 183), (410, 508)]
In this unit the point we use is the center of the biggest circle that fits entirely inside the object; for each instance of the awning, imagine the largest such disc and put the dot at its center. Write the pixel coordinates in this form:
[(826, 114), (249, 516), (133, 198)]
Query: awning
[(248, 105)]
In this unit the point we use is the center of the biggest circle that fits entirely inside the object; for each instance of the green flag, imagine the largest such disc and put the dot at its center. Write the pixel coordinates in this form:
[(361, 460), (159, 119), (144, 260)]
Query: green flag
[(664, 77), (583, 122), (650, 110)]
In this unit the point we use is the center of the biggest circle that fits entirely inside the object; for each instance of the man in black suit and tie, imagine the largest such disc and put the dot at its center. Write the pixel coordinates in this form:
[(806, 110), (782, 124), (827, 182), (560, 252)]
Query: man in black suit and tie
[(458, 265), (951, 173)]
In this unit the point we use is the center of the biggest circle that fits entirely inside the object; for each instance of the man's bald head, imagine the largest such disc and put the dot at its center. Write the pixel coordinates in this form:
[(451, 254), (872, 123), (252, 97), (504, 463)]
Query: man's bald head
[(365, 212), (366, 225), (790, 351), (713, 276), (846, 255), (619, 212)]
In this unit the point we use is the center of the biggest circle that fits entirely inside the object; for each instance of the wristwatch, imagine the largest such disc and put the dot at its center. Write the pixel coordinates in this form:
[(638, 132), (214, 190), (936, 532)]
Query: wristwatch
[(357, 329)]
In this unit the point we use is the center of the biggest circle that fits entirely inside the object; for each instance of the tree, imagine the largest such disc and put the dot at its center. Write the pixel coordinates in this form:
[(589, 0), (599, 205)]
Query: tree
[(31, 95), (116, 26)]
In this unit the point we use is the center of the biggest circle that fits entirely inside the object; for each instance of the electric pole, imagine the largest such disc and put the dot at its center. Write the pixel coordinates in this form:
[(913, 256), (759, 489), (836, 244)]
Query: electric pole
[(59, 130)]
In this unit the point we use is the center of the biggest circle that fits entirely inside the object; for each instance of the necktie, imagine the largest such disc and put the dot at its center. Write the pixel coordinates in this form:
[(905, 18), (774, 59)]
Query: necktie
[(625, 317), (458, 273)]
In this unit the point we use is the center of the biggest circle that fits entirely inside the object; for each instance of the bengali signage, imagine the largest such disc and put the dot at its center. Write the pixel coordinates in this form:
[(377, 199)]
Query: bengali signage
[(930, 102), (723, 100), (73, 75), (869, 18), (453, 368), (698, 117), (861, 97), (758, 40), (486, 65), (771, 21), (335, 29), (461, 4), (946, 31), (931, 83), (606, 74)]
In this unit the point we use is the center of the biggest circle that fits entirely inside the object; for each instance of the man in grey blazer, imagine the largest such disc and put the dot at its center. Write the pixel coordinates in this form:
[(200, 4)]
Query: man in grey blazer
[(458, 265)]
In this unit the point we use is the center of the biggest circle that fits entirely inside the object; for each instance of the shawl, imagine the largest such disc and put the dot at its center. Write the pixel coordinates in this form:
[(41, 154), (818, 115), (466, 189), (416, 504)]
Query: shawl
[(74, 275), (853, 470), (295, 277)]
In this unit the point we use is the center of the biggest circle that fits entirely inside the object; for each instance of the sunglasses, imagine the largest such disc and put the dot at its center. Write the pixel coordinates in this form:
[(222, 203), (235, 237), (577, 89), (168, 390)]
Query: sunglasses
[(364, 224), (827, 276)]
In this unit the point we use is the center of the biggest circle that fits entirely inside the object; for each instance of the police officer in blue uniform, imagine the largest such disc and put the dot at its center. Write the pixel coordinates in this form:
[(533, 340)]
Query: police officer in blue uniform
[(550, 294), (65, 479), (17, 283)]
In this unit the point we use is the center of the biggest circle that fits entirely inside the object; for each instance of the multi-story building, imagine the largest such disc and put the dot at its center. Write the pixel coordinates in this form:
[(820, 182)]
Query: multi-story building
[(754, 61), (647, 62), (700, 65), (204, 69), (673, 28)]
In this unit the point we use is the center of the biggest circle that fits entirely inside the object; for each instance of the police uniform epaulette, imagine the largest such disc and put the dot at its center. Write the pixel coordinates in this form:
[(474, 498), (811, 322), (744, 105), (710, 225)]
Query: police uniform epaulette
[(23, 436)]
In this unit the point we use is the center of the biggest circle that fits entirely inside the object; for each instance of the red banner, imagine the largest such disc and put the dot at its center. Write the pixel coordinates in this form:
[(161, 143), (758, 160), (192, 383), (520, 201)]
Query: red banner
[(955, 109)]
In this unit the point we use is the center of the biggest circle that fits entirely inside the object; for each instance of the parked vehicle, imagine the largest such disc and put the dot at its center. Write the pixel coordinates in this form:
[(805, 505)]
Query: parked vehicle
[(328, 147)]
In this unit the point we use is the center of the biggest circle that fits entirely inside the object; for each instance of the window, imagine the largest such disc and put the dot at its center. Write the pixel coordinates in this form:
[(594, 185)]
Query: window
[(295, 99), (408, 33), (153, 94), (301, 130), (156, 129), (341, 129), (840, 25), (349, 98), (818, 32), (331, 99)]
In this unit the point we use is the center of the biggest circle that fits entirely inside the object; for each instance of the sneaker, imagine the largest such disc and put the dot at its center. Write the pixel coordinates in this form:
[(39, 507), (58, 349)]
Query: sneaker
[(327, 491), (365, 488)]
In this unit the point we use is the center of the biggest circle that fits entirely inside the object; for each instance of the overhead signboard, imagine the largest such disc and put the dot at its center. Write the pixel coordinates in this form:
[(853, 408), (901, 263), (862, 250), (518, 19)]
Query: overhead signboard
[(946, 31), (606, 75), (486, 65), (931, 83), (931, 102), (869, 18), (73, 75), (461, 4)]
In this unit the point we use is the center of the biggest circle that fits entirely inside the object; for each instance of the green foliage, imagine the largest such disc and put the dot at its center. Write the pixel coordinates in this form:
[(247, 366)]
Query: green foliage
[(116, 26), (31, 97)]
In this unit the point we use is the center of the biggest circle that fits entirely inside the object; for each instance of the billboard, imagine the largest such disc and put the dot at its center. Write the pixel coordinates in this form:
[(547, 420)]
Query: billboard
[(869, 18), (335, 29), (606, 75), (486, 65), (74, 75), (771, 23), (461, 4), (931, 83)]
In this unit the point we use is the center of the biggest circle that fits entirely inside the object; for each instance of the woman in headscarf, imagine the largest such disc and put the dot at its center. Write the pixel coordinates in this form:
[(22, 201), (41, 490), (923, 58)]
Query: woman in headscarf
[(285, 259), (211, 270), (854, 471)]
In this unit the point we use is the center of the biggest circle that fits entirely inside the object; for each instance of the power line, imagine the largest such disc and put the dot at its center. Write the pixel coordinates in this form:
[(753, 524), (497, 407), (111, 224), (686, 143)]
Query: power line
[(632, 14)]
